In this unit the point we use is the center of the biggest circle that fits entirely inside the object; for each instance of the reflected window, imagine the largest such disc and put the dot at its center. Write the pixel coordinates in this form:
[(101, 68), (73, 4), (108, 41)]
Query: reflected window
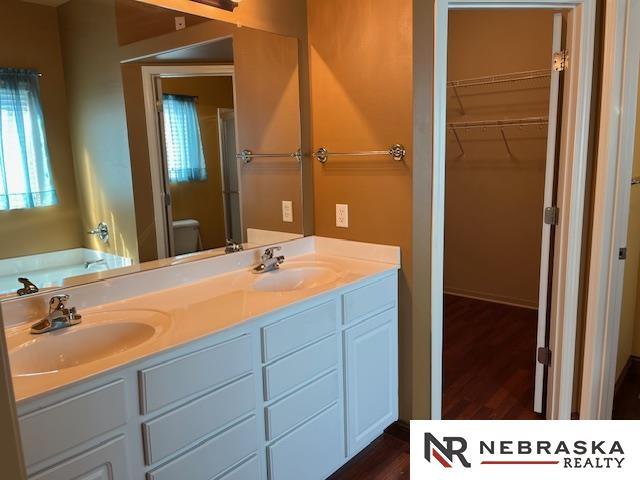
[(183, 142), (25, 171)]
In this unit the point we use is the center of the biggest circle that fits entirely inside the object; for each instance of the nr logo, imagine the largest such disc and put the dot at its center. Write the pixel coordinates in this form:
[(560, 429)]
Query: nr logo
[(444, 453)]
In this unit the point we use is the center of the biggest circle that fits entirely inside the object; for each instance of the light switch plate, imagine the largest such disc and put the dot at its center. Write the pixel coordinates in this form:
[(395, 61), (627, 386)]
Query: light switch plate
[(181, 23), (342, 215), (287, 211)]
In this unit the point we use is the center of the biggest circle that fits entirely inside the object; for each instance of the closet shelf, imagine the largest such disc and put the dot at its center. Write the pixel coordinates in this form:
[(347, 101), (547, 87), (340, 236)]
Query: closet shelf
[(501, 124), (502, 78), (511, 122)]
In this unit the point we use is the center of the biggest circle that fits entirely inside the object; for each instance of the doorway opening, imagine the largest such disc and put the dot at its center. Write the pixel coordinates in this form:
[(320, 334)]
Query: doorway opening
[(501, 148), (510, 144)]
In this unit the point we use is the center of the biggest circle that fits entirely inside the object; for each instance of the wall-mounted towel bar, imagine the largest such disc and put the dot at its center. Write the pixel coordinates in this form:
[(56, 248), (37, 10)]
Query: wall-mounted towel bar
[(397, 152), (247, 155)]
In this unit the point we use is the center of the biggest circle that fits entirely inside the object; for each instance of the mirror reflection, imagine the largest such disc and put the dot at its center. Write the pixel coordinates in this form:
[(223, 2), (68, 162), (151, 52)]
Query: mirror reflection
[(130, 133)]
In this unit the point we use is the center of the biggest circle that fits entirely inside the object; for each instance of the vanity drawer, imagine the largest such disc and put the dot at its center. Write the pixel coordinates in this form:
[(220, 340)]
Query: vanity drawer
[(197, 419), (212, 457), (300, 367), (372, 298), (311, 452), (249, 470), (106, 462), (72, 422), (303, 404), (298, 330), (182, 377)]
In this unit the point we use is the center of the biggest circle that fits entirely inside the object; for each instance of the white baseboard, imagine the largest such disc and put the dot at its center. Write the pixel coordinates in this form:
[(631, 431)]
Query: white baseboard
[(487, 297)]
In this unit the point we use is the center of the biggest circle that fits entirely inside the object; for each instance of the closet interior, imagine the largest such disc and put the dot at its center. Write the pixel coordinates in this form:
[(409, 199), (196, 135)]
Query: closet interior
[(499, 75)]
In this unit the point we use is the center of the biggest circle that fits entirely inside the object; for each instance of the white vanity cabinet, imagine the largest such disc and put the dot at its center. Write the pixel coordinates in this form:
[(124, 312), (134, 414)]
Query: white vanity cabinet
[(291, 395)]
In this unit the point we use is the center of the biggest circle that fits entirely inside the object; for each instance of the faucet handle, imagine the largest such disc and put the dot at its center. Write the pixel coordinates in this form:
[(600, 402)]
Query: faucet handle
[(57, 302), (269, 251)]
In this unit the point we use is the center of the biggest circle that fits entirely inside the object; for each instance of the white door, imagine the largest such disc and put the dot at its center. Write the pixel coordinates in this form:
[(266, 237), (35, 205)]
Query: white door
[(546, 265), (166, 187), (230, 175)]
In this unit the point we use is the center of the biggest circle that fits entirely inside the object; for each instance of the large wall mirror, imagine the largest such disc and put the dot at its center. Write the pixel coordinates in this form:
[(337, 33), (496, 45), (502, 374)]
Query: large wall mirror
[(132, 134)]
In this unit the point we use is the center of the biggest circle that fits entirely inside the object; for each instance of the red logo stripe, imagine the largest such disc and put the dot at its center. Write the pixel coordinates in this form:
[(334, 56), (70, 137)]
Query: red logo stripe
[(440, 458), (495, 462)]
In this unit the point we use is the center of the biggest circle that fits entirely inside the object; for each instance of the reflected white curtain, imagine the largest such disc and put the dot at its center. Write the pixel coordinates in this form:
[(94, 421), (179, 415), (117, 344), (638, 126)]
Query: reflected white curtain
[(183, 142), (25, 172)]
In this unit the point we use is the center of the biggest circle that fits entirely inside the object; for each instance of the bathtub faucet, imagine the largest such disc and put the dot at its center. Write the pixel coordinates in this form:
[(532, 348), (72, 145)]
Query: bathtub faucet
[(28, 287), (59, 316)]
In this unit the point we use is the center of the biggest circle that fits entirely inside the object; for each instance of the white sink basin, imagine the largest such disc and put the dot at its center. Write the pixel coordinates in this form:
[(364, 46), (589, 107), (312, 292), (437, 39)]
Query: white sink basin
[(295, 276), (100, 335)]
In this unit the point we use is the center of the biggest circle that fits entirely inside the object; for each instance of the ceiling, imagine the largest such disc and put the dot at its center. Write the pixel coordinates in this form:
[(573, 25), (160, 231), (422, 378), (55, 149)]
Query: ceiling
[(218, 51)]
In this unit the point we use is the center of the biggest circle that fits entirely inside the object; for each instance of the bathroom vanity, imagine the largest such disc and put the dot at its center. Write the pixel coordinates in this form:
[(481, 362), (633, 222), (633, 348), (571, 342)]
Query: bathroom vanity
[(207, 371)]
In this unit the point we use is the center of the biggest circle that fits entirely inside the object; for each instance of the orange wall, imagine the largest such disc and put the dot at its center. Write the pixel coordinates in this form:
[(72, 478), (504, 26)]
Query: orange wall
[(361, 99), (268, 120), (30, 38), (203, 200)]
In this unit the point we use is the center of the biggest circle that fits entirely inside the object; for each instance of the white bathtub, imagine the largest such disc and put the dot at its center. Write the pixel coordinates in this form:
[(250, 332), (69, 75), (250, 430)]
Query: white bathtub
[(48, 270)]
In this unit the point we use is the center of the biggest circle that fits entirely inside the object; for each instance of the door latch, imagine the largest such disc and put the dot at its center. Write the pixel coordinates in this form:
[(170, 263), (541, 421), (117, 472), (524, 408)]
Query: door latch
[(544, 356)]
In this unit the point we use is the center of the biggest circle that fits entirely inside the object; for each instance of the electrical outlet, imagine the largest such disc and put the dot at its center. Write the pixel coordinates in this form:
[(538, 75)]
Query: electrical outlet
[(342, 215), (287, 211), (181, 23)]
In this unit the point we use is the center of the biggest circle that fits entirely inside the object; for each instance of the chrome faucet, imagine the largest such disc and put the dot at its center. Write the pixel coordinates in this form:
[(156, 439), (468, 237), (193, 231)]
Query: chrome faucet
[(59, 316), (269, 263), (28, 287), (233, 247)]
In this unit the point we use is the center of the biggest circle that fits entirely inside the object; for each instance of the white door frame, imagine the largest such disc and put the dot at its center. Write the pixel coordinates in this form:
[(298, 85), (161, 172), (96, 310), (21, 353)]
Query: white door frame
[(611, 206), (149, 75), (571, 191)]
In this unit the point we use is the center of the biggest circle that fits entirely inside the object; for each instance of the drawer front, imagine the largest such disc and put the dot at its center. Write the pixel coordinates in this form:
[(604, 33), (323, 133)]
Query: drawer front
[(197, 419), (360, 303), (303, 404), (107, 462), (300, 367), (298, 330), (311, 452), (214, 456), (72, 422), (179, 378), (249, 470)]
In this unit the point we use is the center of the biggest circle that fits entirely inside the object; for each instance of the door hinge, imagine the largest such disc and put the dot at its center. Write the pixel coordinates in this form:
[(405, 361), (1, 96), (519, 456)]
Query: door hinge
[(551, 215), (159, 106), (622, 253), (560, 60), (544, 356), (167, 200)]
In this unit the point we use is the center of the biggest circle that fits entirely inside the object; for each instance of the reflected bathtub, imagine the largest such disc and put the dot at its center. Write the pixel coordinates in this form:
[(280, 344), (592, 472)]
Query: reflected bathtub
[(48, 270)]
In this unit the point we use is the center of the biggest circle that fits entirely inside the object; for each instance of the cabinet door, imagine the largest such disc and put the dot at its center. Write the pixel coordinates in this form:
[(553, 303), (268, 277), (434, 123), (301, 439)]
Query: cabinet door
[(106, 462), (371, 378)]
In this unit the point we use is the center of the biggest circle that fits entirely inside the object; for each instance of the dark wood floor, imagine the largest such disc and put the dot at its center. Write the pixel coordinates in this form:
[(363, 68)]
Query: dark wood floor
[(387, 458), (489, 360), (626, 404)]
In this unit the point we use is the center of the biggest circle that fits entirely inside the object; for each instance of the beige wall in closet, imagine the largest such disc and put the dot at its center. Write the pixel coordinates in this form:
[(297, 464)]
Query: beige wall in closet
[(494, 199)]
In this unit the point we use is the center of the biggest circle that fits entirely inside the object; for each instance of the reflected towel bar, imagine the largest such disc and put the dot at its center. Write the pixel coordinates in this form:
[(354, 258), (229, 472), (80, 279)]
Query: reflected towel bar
[(397, 152), (247, 155)]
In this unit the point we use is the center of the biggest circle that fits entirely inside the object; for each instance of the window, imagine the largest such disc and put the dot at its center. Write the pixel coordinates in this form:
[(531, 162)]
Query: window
[(185, 155), (25, 173)]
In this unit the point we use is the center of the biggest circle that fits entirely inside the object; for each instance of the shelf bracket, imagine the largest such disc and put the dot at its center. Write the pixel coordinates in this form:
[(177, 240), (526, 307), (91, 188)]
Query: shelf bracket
[(455, 134), (455, 91), (506, 142)]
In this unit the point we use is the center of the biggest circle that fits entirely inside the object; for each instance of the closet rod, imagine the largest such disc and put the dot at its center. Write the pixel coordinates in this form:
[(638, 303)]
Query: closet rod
[(513, 122), (502, 78)]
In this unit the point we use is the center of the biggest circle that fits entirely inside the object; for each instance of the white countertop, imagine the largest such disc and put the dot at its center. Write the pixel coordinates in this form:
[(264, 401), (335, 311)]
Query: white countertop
[(193, 311)]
